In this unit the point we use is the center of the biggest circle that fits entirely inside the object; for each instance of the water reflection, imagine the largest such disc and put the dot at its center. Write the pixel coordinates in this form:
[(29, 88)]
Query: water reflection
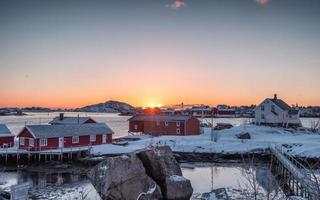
[(238, 179), (51, 185)]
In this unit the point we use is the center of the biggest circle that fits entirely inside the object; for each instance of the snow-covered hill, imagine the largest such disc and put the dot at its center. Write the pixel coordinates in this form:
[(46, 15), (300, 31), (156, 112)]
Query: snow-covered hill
[(109, 107)]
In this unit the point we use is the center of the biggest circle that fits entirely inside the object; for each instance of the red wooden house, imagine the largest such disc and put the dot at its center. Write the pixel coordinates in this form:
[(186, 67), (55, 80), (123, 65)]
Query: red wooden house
[(157, 125), (45, 137), (62, 120), (6, 137)]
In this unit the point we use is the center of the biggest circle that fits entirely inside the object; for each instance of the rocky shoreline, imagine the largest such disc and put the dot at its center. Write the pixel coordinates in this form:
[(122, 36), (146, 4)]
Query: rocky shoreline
[(153, 173)]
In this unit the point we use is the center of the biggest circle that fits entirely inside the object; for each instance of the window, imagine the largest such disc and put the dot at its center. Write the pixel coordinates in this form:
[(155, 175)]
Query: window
[(92, 138), (262, 107), (166, 123), (178, 131), (262, 116), (43, 142), (158, 123), (31, 142), (272, 108), (136, 126), (178, 124), (75, 139), (21, 140)]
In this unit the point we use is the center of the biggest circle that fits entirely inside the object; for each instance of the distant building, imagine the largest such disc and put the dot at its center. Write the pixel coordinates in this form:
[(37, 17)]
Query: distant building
[(62, 120), (6, 137), (225, 111), (157, 125), (46, 137), (167, 111), (276, 112), (201, 111)]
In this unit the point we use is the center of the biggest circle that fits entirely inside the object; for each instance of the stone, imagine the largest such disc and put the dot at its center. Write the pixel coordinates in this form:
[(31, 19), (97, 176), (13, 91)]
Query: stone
[(221, 126), (123, 178), (162, 167), (177, 187), (217, 194), (244, 135)]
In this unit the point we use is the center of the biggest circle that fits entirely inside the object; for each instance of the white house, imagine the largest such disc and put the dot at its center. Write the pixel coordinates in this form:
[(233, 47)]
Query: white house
[(276, 112)]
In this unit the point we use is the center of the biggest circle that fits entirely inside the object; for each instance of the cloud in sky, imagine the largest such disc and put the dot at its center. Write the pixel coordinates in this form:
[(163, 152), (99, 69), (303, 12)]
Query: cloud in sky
[(176, 5), (262, 2)]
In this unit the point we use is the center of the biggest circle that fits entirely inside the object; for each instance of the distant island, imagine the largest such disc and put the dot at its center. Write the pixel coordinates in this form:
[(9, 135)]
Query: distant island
[(106, 107), (109, 107)]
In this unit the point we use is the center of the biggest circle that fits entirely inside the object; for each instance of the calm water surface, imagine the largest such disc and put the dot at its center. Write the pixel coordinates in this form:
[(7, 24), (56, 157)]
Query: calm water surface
[(204, 177)]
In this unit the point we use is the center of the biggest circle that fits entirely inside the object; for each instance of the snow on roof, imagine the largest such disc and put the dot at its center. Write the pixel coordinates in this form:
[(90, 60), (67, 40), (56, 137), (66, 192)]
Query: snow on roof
[(50, 131), (283, 105), (70, 120), (4, 131), (160, 118)]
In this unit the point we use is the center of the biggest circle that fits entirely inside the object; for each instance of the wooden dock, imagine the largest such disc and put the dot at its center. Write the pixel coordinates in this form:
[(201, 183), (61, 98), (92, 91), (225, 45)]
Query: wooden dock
[(16, 155), (294, 177)]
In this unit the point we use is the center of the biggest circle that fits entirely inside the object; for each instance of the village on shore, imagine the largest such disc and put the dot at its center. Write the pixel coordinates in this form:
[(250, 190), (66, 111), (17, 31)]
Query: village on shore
[(275, 122)]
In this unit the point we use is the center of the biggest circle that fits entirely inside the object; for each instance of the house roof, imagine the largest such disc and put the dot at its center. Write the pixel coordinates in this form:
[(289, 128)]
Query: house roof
[(70, 120), (160, 118), (4, 131), (281, 104), (293, 112), (52, 131)]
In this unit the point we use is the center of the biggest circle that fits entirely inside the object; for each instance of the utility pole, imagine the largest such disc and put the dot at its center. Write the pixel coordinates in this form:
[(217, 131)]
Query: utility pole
[(212, 128)]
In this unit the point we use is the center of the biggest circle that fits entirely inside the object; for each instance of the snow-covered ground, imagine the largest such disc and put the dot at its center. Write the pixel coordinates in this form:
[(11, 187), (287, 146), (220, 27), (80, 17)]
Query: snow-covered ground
[(304, 144)]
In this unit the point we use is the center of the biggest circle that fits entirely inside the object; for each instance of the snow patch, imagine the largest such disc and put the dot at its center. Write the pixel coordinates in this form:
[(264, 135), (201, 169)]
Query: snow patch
[(150, 191), (177, 178)]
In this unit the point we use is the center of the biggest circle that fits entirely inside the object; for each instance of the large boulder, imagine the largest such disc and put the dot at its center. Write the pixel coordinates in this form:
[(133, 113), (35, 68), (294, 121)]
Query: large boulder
[(162, 167), (123, 178)]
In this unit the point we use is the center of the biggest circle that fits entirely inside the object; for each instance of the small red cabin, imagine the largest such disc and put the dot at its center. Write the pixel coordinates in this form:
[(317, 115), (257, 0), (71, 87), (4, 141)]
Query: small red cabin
[(62, 120), (6, 137), (46, 137), (157, 125)]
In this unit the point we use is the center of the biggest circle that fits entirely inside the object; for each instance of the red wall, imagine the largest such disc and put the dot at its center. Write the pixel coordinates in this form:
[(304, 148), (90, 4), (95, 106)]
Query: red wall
[(24, 133), (53, 143), (140, 126), (190, 127), (7, 140), (193, 126), (153, 129)]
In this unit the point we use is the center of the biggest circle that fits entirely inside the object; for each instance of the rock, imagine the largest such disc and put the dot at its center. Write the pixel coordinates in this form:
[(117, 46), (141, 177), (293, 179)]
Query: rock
[(244, 135), (123, 177), (177, 187), (217, 194), (162, 167), (221, 126)]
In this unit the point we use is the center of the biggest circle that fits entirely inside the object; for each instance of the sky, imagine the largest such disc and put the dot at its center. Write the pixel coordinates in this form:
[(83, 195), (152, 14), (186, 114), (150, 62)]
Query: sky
[(74, 53)]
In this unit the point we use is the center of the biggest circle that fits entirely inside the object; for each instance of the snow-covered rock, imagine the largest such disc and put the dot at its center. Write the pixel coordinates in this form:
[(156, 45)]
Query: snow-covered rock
[(244, 135), (162, 167), (217, 194)]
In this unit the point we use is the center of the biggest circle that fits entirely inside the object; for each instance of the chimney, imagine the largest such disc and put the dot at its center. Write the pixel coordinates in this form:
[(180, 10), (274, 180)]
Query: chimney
[(275, 97), (61, 116)]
